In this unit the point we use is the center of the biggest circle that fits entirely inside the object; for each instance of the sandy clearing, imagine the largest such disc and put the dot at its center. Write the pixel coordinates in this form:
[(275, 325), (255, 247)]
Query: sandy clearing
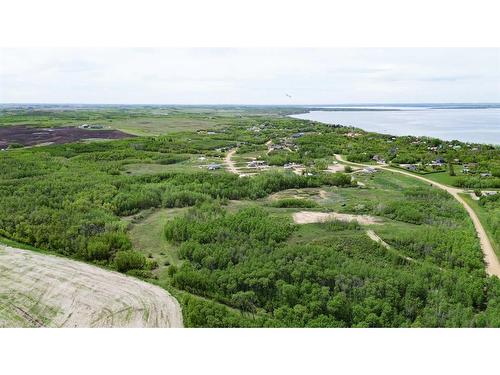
[(308, 217), (334, 168), (45, 290), (490, 258)]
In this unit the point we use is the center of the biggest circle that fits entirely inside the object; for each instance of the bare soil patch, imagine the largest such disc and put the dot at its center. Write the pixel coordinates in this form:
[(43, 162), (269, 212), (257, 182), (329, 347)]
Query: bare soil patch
[(38, 290), (334, 168), (28, 136), (308, 217)]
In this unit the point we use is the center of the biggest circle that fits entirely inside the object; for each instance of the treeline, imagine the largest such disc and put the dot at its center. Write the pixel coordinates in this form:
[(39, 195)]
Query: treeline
[(477, 182), (187, 189)]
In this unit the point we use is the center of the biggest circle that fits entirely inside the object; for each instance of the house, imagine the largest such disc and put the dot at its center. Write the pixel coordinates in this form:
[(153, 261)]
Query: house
[(256, 164), (297, 135), (378, 159), (487, 174), (465, 170), (439, 162), (276, 147), (410, 167), (369, 170), (490, 192), (211, 133), (213, 167), (88, 126)]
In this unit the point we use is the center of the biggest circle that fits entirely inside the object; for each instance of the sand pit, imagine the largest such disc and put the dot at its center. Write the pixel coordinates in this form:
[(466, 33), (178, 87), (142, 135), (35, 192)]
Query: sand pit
[(308, 217), (334, 168), (38, 290)]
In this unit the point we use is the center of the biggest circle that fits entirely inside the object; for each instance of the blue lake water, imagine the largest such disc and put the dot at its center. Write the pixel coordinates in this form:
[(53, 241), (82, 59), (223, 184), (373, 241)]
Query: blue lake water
[(464, 123)]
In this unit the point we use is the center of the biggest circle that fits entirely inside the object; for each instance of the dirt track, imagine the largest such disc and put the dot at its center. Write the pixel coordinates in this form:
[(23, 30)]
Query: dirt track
[(490, 258), (308, 217), (230, 163), (38, 290), (375, 237)]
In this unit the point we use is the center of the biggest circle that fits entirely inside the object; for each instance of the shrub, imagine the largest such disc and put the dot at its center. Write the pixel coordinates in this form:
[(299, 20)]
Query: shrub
[(294, 202), (129, 260)]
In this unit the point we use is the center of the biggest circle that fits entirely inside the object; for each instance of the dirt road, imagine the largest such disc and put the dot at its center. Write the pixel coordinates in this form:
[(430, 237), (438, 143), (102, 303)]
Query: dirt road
[(230, 163), (490, 258), (38, 290)]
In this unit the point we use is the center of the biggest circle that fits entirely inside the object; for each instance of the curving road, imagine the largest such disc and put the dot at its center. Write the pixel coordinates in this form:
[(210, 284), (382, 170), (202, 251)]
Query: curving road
[(490, 258), (38, 290)]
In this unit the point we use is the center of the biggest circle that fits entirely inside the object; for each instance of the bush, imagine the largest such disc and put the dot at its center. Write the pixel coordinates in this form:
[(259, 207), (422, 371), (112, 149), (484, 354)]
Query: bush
[(104, 246), (141, 274), (294, 202), (129, 260)]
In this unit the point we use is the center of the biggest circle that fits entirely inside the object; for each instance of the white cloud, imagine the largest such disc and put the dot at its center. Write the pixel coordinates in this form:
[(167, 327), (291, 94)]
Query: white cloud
[(249, 76)]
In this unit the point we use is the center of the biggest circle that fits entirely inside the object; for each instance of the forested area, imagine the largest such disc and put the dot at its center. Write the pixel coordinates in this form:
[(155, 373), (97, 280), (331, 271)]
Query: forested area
[(68, 198), (246, 263)]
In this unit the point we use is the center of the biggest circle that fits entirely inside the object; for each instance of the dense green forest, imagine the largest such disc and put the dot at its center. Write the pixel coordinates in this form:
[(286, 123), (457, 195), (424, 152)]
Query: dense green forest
[(241, 260)]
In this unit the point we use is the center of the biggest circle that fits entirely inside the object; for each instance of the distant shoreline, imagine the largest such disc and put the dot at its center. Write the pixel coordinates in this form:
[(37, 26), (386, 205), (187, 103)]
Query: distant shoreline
[(468, 125)]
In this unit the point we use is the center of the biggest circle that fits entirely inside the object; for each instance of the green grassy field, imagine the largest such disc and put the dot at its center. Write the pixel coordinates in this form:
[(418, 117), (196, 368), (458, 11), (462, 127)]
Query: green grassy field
[(146, 234)]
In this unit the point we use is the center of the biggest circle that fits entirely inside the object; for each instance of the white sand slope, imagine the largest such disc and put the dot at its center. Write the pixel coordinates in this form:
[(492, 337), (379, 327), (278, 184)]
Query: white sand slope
[(38, 290), (308, 217)]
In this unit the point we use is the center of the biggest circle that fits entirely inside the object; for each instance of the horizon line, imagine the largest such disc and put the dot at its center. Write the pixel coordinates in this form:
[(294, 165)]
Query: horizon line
[(245, 104)]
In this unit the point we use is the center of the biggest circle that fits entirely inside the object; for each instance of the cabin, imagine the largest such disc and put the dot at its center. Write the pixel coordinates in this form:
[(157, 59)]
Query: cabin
[(410, 167), (439, 162), (487, 174), (369, 170), (89, 126), (297, 135), (213, 167), (378, 159), (256, 164), (276, 147)]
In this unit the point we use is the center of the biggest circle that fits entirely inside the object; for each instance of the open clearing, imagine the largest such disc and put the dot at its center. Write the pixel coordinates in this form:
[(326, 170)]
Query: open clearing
[(38, 290), (334, 168), (308, 217)]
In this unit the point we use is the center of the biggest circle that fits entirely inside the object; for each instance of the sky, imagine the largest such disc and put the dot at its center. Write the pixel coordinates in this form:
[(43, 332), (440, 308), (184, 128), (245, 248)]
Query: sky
[(249, 76)]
